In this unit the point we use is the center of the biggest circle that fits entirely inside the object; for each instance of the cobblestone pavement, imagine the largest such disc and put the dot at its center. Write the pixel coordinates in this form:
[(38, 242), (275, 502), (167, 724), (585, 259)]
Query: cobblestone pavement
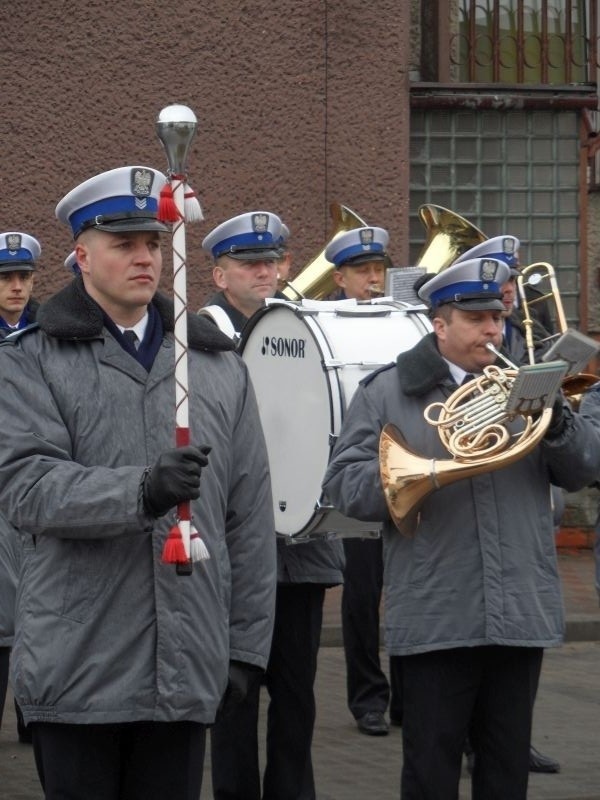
[(351, 766)]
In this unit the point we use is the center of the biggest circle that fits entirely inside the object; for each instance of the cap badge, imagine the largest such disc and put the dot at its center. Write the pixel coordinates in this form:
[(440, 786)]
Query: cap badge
[(487, 270), (260, 223), (13, 242), (141, 186), (366, 237), (508, 246)]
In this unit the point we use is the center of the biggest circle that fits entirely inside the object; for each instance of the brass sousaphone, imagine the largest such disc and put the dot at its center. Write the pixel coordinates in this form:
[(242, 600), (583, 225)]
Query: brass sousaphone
[(448, 236)]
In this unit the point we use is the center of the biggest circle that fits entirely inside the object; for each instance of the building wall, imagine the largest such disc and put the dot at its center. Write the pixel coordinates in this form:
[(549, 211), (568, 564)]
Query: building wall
[(299, 105)]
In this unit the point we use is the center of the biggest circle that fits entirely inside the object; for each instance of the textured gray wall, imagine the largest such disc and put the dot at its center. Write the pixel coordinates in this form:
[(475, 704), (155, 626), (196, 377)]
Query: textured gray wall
[(299, 105)]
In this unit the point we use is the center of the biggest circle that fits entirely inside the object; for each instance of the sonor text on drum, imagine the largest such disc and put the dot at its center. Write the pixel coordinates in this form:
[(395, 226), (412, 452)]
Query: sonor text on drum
[(283, 347)]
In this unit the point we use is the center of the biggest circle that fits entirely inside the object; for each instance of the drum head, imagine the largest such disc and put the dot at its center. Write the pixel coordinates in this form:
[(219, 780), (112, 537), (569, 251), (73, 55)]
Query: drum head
[(299, 404)]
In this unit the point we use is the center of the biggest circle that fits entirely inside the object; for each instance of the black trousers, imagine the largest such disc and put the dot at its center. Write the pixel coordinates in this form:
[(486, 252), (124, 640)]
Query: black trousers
[(133, 761), (289, 680), (488, 692), (367, 686), (4, 667)]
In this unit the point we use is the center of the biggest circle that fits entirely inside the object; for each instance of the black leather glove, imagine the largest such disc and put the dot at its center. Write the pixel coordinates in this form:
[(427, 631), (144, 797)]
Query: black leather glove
[(560, 415), (175, 477), (243, 678)]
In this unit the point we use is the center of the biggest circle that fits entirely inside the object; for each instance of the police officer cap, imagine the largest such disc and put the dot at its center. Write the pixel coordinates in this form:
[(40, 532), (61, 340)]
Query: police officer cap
[(285, 235), (71, 263), (254, 236), (473, 285), (357, 246), (502, 248), (18, 252), (120, 200)]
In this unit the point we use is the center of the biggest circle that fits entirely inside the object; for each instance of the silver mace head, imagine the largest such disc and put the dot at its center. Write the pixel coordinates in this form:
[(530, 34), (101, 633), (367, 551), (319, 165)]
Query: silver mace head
[(176, 126)]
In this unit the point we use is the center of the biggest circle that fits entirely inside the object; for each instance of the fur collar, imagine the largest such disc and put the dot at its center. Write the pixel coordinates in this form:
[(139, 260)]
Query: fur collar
[(72, 314), (422, 368)]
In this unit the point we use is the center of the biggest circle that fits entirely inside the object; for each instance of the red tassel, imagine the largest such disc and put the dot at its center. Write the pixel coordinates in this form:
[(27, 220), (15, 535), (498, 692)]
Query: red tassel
[(167, 208), (174, 551)]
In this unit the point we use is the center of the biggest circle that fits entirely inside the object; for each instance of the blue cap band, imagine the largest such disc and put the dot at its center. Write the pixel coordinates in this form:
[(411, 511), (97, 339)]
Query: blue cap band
[(466, 290), (16, 256), (124, 204), (357, 250), (245, 241), (507, 258)]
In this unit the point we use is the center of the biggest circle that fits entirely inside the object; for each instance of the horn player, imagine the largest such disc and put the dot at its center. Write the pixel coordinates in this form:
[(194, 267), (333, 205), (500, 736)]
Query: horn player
[(514, 344), (473, 597)]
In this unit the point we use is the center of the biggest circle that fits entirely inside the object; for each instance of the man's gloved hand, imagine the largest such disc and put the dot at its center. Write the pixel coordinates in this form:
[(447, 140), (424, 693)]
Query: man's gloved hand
[(243, 678), (175, 477), (560, 415)]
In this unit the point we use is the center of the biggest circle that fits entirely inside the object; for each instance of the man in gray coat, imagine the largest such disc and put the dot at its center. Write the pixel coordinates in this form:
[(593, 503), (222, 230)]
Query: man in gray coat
[(119, 661), (246, 250), (19, 254), (473, 597)]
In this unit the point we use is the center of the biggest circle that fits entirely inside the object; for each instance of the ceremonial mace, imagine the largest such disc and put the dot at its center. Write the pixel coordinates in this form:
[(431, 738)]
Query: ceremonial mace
[(176, 127)]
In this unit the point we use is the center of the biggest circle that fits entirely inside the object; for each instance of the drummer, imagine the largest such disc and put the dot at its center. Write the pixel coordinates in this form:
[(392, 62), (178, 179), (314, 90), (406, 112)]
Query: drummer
[(359, 258), (246, 251)]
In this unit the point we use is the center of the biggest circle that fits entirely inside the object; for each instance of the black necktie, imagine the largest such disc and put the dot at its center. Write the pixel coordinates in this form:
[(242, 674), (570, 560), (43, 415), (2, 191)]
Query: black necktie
[(131, 338), (468, 377)]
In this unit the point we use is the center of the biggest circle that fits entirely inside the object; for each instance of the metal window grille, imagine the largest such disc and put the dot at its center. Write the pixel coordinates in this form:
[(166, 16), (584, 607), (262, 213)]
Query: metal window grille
[(508, 173), (533, 42)]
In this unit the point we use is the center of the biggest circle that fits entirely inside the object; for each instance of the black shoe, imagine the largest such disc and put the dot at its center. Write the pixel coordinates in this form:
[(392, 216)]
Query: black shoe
[(541, 763), (373, 724)]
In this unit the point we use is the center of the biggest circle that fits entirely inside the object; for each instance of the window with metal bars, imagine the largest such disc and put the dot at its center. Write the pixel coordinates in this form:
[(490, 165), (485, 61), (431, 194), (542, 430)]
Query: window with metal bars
[(542, 42)]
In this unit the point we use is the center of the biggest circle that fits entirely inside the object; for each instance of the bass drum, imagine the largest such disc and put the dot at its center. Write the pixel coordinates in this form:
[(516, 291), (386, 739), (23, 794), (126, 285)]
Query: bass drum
[(305, 362)]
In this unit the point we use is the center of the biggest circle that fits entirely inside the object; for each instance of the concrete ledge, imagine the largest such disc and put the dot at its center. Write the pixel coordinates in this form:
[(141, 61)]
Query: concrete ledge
[(583, 628)]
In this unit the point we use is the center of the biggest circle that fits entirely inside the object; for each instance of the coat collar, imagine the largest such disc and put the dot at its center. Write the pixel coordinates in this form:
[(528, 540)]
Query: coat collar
[(72, 314), (422, 368)]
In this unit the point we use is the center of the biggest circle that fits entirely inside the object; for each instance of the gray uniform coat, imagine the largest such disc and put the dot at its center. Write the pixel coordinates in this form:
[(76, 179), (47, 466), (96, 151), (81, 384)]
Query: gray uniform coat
[(105, 631), (9, 546), (481, 568), (9, 572)]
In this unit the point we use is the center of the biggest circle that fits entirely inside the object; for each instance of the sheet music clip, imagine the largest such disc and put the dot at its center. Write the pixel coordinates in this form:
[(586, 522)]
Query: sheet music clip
[(575, 348), (535, 387)]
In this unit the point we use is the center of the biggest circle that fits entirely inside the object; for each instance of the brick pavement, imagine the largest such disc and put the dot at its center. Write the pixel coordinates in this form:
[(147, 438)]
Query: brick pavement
[(351, 766)]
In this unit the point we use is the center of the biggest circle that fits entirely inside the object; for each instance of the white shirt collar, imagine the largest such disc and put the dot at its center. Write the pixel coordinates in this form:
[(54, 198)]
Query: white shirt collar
[(458, 373), (139, 328)]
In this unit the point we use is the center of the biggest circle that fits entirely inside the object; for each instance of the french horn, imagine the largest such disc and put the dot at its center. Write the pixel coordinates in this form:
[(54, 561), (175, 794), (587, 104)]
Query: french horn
[(475, 426)]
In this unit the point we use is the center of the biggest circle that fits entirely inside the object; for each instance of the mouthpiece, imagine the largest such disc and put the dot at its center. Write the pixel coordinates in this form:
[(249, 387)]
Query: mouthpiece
[(499, 355)]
